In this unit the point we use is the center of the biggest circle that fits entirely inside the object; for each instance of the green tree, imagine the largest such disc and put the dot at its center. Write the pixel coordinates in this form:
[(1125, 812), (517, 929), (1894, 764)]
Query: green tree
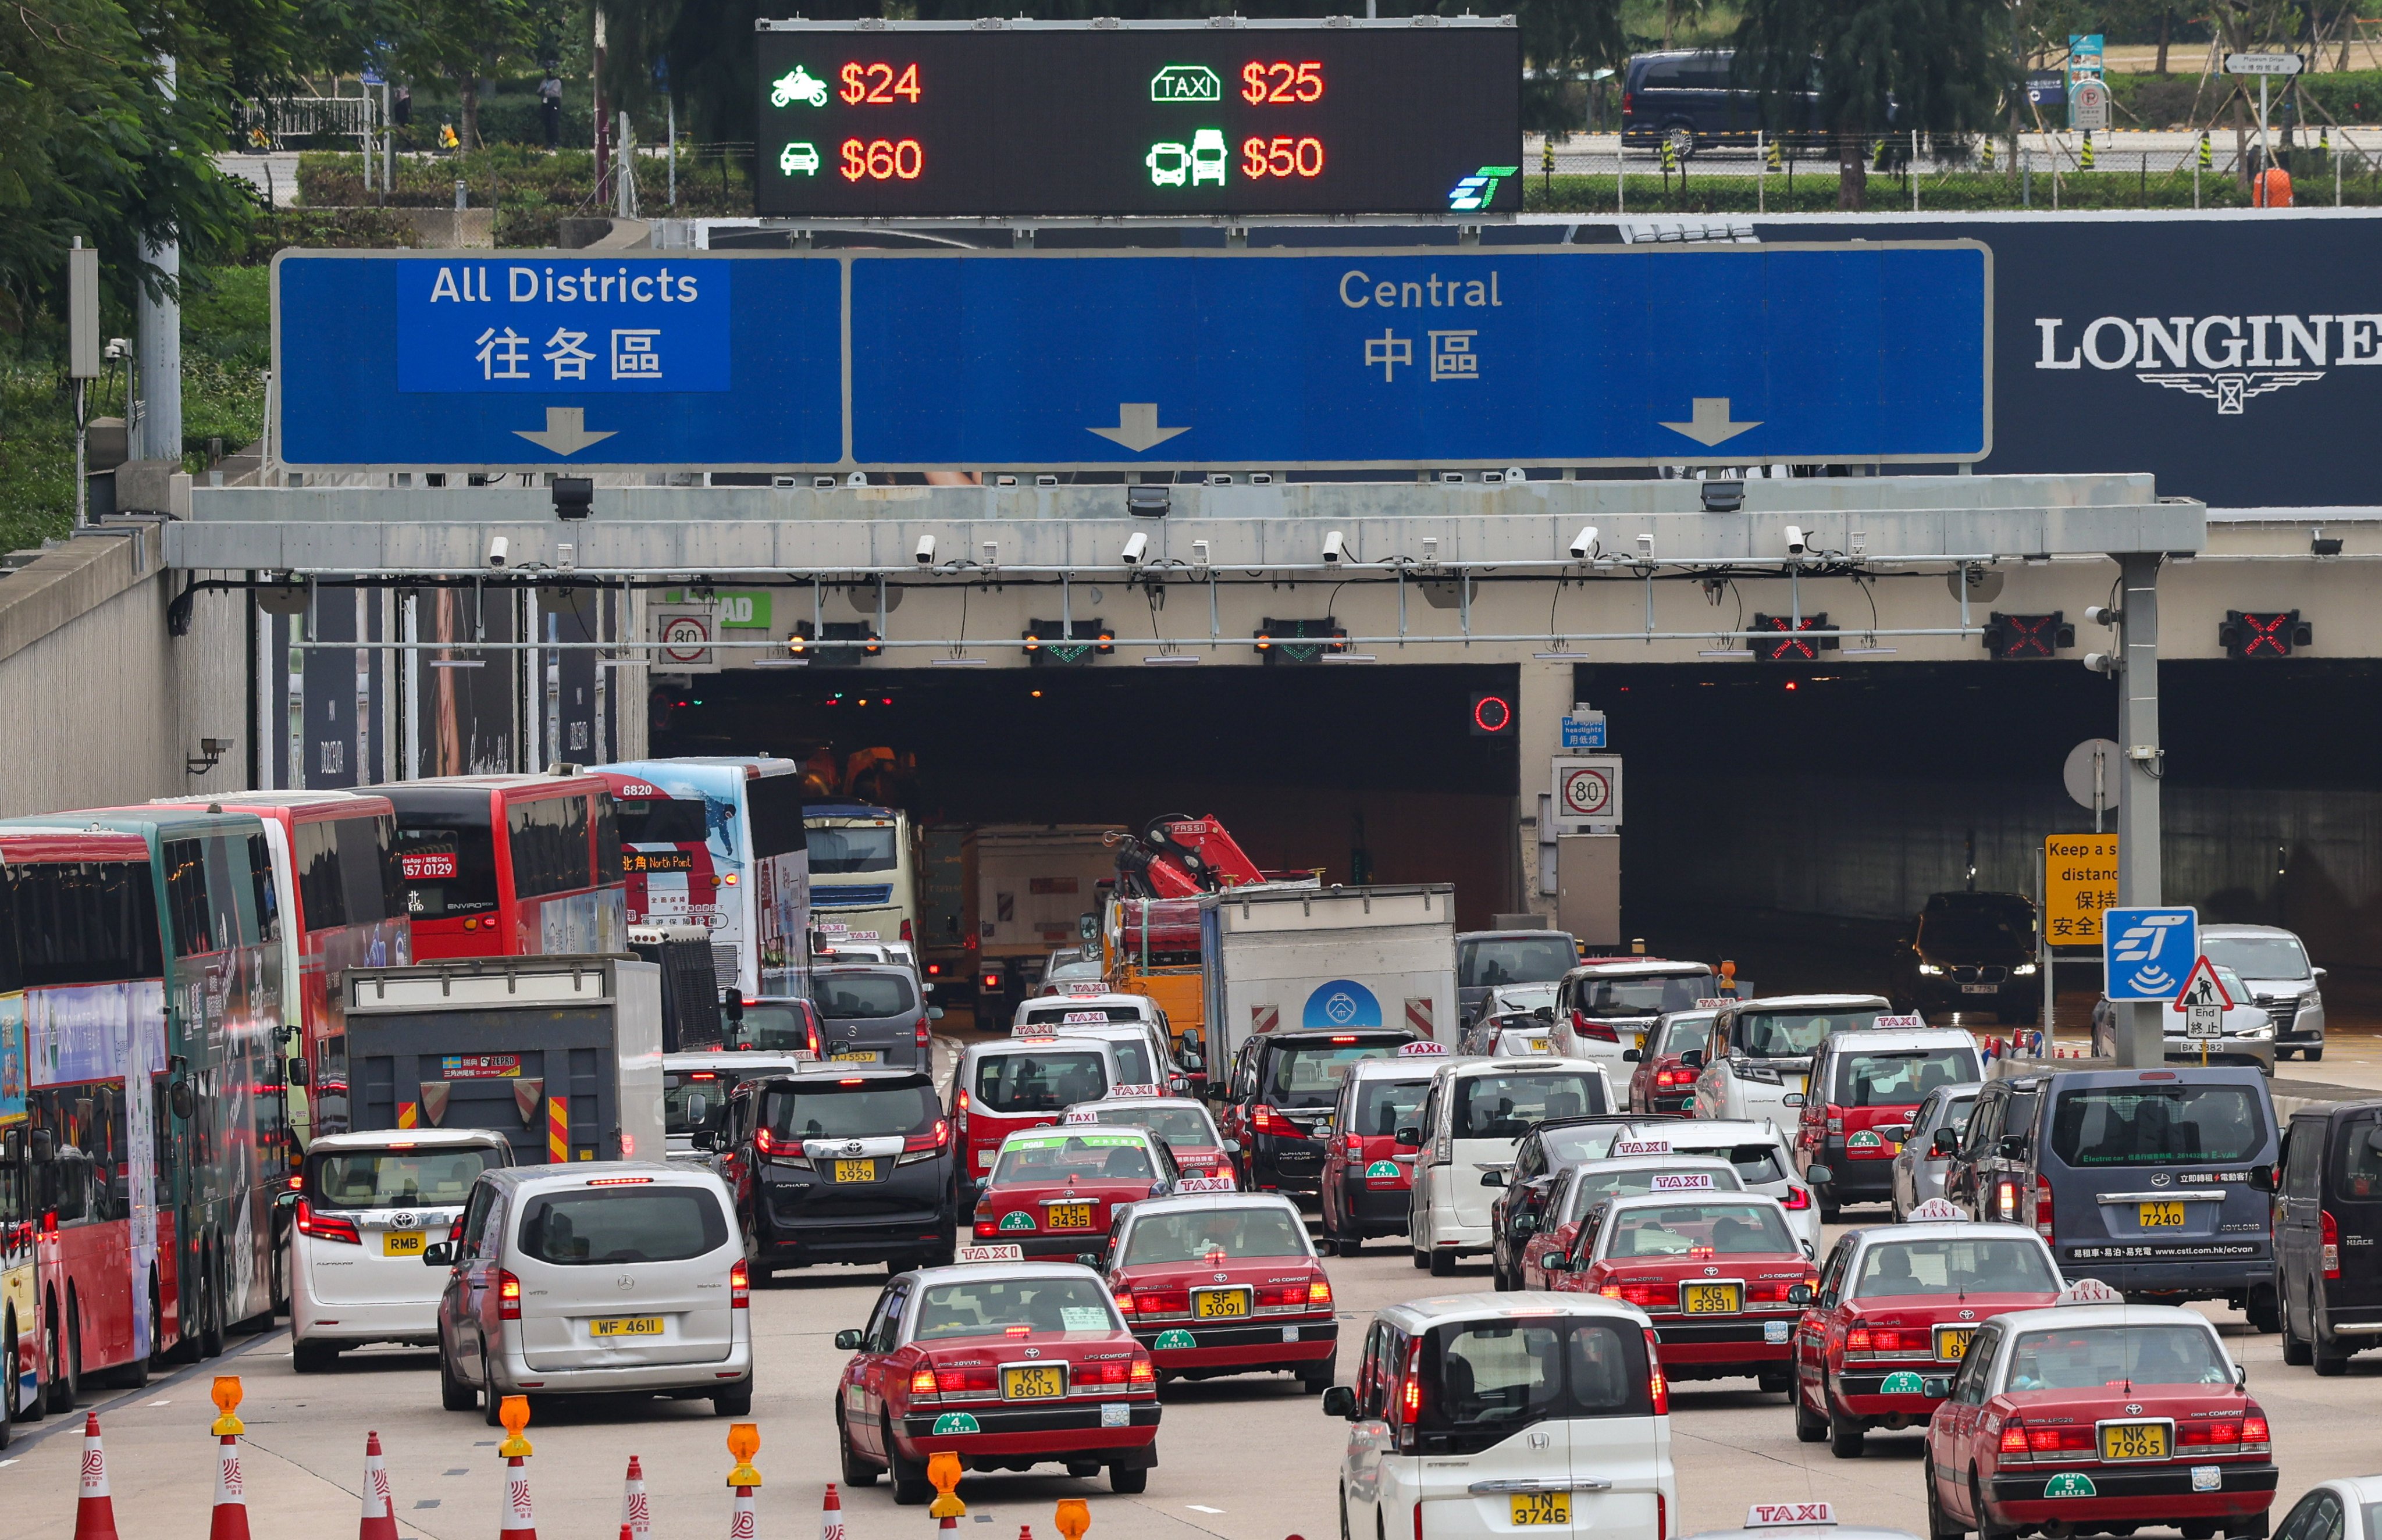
[(1873, 66), (465, 41)]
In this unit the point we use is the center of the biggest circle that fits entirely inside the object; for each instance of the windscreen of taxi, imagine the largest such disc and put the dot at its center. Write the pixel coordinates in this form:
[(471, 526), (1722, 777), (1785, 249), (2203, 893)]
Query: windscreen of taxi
[(2089, 1358), (1386, 1106), (1215, 1235), (774, 1026), (1984, 1266), (1039, 1080), (1054, 1159), (1900, 1077), (1687, 1032), (853, 1107), (1698, 1230), (396, 1178), (1186, 1128), (1487, 963), (1504, 1105), (1795, 1034), (1485, 1380), (2097, 1126), (1755, 1164), (1592, 1187), (1641, 996), (982, 1307), (1310, 1076)]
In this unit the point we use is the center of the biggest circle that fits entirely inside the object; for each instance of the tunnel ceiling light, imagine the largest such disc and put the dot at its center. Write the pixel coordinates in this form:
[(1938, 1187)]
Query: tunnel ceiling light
[(1171, 657), (1726, 653), (961, 663), (781, 663), (1348, 657)]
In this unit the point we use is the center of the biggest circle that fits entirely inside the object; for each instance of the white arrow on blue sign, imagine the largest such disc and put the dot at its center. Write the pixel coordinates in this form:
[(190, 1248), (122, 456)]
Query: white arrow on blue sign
[(2148, 952)]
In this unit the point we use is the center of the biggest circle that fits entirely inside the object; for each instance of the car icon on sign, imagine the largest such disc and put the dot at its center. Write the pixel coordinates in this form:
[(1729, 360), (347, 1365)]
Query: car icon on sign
[(799, 159)]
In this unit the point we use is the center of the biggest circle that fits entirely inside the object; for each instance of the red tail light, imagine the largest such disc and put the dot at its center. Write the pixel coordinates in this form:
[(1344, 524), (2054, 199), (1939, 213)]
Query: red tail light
[(2225, 1435), (921, 1034), (777, 1146), (2331, 1239), (1265, 1120), (1410, 1395), (1835, 1116), (2057, 1440), (1143, 1373), (1600, 1031), (2006, 1201), (740, 1285), (1796, 1198), (1162, 1302), (922, 1382), (1662, 1508), (1859, 1340), (326, 1226), (2254, 1437), (2045, 1219), (1125, 1303), (2014, 1438), (818, 1048), (956, 1382), (934, 1139), (905, 931), (508, 1297), (1658, 1389), (1319, 1291), (1628, 103), (1671, 1079)]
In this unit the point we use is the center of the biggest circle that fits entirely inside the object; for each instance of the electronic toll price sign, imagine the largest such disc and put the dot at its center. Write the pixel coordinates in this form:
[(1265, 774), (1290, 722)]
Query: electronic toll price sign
[(1021, 118)]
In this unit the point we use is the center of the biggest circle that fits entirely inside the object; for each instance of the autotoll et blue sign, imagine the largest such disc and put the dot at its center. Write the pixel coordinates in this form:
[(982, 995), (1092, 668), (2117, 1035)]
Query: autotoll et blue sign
[(1341, 1002), (1281, 359), (2148, 952)]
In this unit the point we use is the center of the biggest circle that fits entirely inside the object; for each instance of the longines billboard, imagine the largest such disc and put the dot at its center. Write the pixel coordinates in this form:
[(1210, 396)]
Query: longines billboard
[(2238, 355)]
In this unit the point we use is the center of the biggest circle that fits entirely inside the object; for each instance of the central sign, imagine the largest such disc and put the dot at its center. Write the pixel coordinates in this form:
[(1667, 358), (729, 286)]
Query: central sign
[(1275, 360), (1218, 117)]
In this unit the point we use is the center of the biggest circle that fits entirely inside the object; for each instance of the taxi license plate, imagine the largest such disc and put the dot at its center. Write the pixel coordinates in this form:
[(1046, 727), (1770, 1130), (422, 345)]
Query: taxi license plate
[(1213, 1305), (855, 1055), (626, 1325), (2133, 1441), (856, 1170), (1537, 1045), (2168, 1215), (1952, 1342), (1067, 1216), (1035, 1382), (1541, 1507), (402, 1243), (1709, 1298)]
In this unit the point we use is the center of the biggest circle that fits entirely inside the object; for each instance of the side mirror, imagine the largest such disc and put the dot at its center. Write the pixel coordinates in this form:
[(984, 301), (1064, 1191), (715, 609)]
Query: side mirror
[(1792, 1098), (705, 1139), (45, 1144), (2262, 1178), (1946, 1141), (1192, 1063), (731, 1005), (934, 1013), (1631, 1055), (2012, 1146), (1818, 1173), (1492, 1179), (183, 1100), (1408, 1138), (1544, 1013), (848, 1340), (1229, 1147), (2240, 1377), (1935, 1386), (1340, 1402), (1089, 1259), (300, 1074), (438, 1253), (1692, 1060), (2317, 973), (1896, 1133), (1800, 1294), (1525, 1223)]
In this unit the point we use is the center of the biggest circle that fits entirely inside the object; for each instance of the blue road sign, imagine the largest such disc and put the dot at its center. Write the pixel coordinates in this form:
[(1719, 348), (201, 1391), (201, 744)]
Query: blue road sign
[(2148, 952), (1583, 732), (1272, 359)]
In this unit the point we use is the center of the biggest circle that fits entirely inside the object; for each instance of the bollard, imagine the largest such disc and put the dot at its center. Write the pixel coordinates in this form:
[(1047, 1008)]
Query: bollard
[(229, 1521), (743, 1442), (520, 1522), (944, 1471), (636, 1514), (380, 1508), (831, 1516), (94, 1515)]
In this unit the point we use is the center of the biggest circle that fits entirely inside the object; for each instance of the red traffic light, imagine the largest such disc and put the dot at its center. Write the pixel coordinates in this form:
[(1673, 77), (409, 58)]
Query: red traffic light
[(1492, 714)]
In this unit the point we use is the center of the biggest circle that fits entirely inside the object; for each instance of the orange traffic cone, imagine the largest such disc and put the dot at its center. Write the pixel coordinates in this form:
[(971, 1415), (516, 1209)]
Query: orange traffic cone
[(636, 1517), (519, 1522), (947, 1527), (230, 1519), (743, 1442), (380, 1508), (94, 1515), (831, 1516)]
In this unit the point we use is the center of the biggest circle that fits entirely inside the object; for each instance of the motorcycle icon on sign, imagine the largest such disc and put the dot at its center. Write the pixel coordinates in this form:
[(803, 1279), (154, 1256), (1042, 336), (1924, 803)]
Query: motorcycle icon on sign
[(797, 85)]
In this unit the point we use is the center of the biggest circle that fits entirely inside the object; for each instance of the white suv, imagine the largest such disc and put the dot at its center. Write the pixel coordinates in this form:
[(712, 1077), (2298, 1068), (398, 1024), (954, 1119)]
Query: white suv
[(606, 1277), (369, 1205), (1535, 1412), (1473, 1116), (1759, 1056)]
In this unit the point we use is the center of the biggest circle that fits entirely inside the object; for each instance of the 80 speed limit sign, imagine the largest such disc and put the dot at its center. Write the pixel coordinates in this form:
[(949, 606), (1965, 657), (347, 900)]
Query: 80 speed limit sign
[(1588, 789)]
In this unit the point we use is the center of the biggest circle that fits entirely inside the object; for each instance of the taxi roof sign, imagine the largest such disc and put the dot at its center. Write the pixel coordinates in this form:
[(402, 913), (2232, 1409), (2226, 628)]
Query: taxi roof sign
[(1683, 1181), (1080, 1115), (1424, 1050), (1119, 1092), (1641, 1147), (2203, 987), (2089, 1292), (1208, 1185), (1780, 1515), (1083, 986), (1892, 1022), (1936, 1211), (1011, 1252)]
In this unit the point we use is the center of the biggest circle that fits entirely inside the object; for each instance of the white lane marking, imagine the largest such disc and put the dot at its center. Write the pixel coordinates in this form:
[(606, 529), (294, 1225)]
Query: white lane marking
[(167, 1401), (5, 1463), (1202, 1507)]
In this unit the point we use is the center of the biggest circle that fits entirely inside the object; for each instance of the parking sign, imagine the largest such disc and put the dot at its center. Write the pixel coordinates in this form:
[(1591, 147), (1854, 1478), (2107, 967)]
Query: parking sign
[(2148, 952)]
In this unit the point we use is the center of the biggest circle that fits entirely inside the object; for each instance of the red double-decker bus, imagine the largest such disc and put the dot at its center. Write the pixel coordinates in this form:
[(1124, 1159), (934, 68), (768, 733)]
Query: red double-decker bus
[(141, 987), (343, 905), (510, 866)]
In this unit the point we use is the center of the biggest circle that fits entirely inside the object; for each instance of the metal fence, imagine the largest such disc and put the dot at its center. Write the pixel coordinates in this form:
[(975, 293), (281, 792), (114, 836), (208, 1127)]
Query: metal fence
[(1906, 173)]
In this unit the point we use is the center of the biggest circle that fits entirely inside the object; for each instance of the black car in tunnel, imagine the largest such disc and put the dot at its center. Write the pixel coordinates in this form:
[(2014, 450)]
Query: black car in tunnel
[(1971, 952)]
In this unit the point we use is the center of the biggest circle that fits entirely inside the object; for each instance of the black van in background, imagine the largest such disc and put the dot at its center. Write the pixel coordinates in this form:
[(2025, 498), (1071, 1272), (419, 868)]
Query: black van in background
[(2328, 1229), (1688, 97)]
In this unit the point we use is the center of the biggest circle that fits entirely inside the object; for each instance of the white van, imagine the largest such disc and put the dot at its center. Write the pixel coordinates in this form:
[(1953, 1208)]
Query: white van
[(1759, 1059), (1482, 1416), (1473, 1116)]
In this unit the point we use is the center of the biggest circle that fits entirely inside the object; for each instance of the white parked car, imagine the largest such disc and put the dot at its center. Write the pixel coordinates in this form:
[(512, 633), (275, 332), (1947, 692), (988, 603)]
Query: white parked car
[(1475, 1113), (2275, 966), (1503, 1414), (1764, 1161), (2343, 1508), (607, 1277), (1759, 1060), (369, 1205)]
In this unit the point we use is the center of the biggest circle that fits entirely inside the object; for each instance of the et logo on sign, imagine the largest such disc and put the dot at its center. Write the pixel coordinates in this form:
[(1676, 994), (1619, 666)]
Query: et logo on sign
[(1343, 1003)]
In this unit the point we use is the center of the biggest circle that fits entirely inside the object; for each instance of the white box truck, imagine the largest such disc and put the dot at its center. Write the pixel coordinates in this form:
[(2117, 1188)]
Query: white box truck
[(1281, 957)]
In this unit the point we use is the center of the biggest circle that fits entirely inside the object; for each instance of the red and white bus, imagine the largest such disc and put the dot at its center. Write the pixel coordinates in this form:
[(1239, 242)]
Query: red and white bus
[(342, 904), (510, 866), (140, 987)]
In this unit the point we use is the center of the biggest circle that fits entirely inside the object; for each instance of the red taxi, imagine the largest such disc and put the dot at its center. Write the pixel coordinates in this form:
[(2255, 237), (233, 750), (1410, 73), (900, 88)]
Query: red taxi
[(1714, 1273), (1366, 1189), (1898, 1305), (1024, 1082), (1224, 1284), (1183, 1121), (1861, 1095), (2091, 1416), (1662, 1083), (1578, 1190), (1007, 1365), (1054, 1192)]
